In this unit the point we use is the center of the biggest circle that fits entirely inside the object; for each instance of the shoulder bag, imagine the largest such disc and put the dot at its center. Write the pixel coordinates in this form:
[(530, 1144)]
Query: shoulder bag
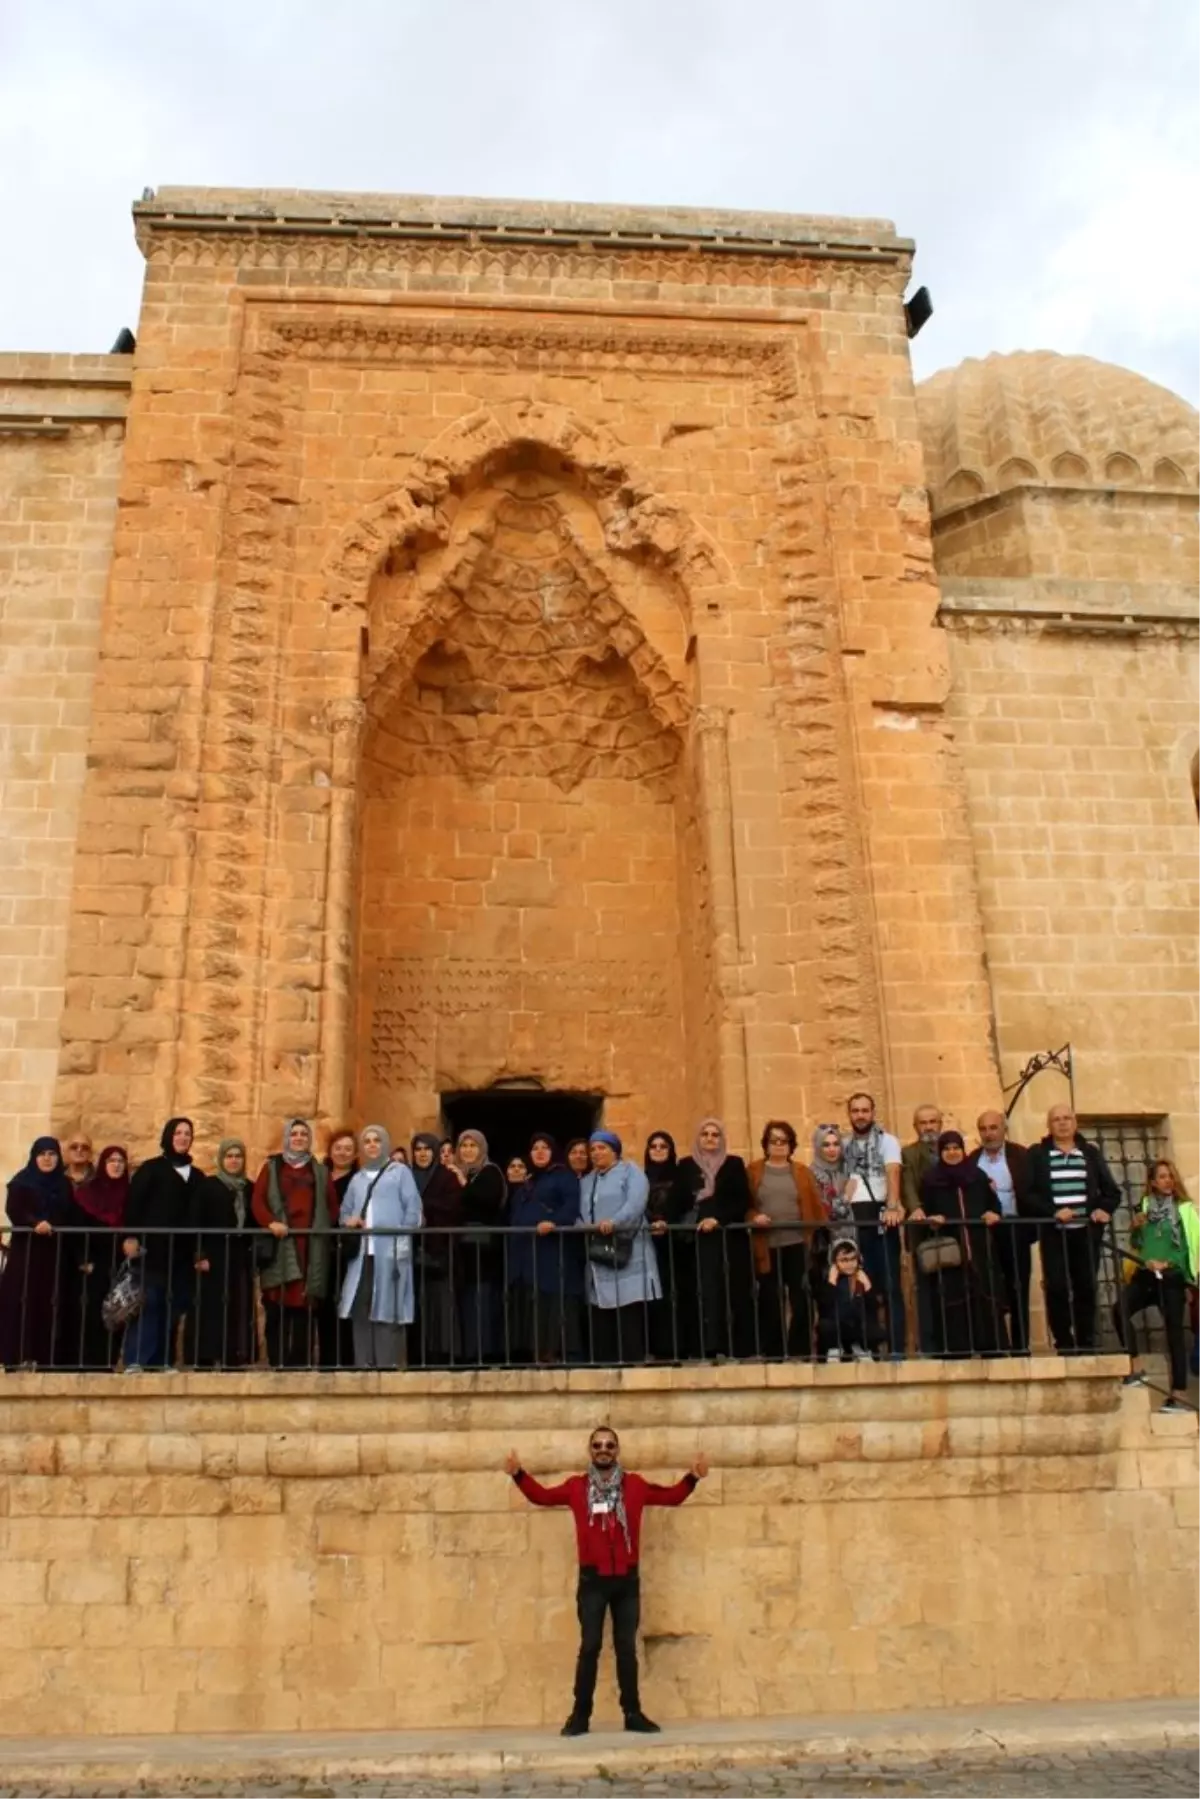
[(938, 1252), (608, 1251)]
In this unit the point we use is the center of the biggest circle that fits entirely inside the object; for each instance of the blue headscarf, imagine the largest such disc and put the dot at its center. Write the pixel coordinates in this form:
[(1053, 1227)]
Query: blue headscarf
[(609, 1137)]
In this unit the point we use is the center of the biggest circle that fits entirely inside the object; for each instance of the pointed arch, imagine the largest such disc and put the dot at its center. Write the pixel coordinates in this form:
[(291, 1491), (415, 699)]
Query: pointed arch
[(636, 522)]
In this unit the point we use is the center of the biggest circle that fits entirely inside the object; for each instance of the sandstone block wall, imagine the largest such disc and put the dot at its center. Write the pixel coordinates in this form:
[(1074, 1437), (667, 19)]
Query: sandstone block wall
[(61, 431), (279, 1552), (329, 433), (1063, 494), (1076, 736)]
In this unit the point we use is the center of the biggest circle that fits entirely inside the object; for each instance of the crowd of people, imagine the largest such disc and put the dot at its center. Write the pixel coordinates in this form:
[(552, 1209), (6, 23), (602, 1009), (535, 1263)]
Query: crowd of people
[(432, 1255)]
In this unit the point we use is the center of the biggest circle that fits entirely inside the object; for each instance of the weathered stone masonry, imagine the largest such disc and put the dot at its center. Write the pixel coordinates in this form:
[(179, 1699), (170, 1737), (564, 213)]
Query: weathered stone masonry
[(380, 480), (548, 643)]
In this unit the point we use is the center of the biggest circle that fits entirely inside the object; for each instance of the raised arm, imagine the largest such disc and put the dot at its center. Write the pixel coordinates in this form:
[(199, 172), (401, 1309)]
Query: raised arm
[(533, 1490), (654, 1494)]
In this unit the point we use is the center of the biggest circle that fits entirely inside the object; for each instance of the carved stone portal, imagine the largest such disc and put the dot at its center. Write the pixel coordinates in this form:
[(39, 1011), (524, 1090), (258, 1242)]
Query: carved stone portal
[(525, 791)]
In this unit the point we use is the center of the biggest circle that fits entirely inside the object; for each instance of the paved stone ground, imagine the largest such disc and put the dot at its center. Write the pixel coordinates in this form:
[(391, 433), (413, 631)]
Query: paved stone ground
[(1165, 1772)]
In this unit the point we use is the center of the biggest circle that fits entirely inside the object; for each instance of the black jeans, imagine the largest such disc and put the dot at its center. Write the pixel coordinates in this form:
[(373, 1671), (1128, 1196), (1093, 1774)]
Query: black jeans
[(1069, 1257), (596, 1594), (1013, 1248), (1169, 1293), (881, 1260)]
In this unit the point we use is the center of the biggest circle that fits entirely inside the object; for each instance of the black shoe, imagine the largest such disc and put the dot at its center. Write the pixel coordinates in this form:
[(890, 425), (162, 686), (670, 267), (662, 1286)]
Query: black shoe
[(639, 1721), (575, 1726)]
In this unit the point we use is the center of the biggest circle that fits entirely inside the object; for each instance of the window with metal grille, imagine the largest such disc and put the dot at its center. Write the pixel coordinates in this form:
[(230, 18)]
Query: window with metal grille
[(1130, 1145)]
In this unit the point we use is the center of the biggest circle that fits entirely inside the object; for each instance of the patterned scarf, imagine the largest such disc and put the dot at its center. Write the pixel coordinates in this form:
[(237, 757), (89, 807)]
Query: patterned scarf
[(1162, 1209), (606, 1487), (829, 1176), (709, 1161), (863, 1156)]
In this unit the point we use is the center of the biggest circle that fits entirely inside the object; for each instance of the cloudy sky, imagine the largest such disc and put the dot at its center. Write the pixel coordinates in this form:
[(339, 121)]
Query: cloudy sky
[(1043, 153)]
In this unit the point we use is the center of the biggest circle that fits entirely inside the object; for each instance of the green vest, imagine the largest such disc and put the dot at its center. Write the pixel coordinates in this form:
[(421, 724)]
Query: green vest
[(285, 1267), (1189, 1219)]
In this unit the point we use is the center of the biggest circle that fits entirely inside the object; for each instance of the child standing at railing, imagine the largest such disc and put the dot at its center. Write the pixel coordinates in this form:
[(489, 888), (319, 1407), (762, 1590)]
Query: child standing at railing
[(848, 1312)]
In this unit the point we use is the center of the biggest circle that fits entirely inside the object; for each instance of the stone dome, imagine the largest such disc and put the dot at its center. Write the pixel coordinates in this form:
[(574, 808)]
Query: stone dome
[(998, 422)]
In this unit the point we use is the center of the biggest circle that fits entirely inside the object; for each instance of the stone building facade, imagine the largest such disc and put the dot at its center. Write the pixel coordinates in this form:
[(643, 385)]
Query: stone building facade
[(482, 646)]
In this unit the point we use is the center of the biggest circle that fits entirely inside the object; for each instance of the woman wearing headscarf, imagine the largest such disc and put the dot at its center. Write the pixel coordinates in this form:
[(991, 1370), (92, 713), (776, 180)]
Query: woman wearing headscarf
[(291, 1201), (785, 1212), (383, 1206), (830, 1177), (622, 1274), (579, 1157), (89, 1259), (660, 1165), (834, 1184), (955, 1254), (221, 1331), (476, 1252), (160, 1239), (713, 1196), (436, 1336), (335, 1340), (545, 1276), (38, 1205)]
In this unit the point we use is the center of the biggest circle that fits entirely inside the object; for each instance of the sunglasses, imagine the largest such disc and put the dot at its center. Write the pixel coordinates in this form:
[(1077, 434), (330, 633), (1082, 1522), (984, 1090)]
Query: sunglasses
[(604, 1443)]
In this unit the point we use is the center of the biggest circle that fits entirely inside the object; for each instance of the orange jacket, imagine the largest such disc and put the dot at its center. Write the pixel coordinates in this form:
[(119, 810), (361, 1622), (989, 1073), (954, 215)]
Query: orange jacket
[(808, 1207)]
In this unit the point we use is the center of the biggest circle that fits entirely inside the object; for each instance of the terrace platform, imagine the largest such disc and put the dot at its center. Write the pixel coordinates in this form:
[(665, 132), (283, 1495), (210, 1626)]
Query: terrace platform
[(187, 1553)]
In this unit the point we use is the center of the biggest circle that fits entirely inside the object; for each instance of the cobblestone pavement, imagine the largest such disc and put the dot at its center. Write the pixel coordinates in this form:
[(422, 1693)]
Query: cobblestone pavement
[(1077, 1776)]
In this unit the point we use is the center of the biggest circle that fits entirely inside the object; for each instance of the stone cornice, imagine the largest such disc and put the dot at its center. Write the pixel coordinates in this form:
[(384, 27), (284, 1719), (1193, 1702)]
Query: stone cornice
[(419, 217), (965, 512), (1079, 609)]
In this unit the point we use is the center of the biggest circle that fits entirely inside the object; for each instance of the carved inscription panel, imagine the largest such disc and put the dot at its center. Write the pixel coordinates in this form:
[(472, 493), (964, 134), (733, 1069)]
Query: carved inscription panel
[(466, 1018)]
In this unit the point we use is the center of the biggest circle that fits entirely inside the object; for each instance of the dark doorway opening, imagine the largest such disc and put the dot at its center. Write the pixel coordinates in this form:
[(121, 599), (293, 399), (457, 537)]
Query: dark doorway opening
[(508, 1116)]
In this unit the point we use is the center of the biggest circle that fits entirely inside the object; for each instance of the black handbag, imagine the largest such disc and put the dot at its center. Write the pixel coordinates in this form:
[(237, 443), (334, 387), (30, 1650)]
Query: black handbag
[(612, 1251), (266, 1248)]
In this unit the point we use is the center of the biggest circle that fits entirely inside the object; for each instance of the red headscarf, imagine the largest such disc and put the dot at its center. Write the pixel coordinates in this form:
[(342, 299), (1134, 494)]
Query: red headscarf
[(103, 1198)]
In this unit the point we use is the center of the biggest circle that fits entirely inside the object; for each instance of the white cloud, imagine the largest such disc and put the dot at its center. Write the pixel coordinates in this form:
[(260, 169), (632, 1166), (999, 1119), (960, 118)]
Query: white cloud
[(1043, 155)]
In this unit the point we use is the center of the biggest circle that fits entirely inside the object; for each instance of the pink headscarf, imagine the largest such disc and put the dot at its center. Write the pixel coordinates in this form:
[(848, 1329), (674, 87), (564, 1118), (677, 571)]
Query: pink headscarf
[(710, 1161)]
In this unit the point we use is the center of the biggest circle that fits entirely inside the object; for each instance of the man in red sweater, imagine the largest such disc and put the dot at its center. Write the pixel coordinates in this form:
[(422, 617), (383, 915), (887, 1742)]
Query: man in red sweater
[(607, 1506)]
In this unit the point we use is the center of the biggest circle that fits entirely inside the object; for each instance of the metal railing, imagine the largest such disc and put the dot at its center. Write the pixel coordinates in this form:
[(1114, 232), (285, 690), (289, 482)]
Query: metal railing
[(479, 1296)]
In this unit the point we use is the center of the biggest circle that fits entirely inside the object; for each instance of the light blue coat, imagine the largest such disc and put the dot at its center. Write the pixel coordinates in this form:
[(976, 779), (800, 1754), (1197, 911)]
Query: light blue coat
[(395, 1206), (620, 1193)]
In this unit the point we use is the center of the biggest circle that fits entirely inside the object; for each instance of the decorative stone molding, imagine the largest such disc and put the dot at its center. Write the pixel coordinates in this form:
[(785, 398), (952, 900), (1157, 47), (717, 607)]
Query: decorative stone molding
[(529, 665), (496, 343), (337, 259), (1066, 624)]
